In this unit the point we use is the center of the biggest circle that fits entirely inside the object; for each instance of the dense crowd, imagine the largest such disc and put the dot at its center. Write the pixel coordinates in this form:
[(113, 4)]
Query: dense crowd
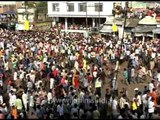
[(63, 75)]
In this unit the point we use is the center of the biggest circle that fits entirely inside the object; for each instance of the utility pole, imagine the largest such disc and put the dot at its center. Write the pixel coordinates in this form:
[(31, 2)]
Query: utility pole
[(125, 18), (86, 18), (26, 11)]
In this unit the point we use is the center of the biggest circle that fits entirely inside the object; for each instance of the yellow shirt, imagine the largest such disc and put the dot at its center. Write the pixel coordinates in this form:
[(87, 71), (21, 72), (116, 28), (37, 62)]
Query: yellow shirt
[(134, 106), (98, 84)]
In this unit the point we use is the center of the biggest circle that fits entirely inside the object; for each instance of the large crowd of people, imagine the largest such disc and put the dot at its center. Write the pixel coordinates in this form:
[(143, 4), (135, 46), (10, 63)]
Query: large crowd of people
[(49, 75)]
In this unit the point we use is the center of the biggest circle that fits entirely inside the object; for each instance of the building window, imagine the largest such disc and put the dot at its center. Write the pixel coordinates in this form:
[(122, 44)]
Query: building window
[(98, 7), (70, 7), (55, 7), (82, 7)]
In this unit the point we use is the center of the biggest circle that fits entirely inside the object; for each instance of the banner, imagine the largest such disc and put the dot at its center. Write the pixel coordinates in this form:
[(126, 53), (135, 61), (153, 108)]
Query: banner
[(114, 28), (26, 25)]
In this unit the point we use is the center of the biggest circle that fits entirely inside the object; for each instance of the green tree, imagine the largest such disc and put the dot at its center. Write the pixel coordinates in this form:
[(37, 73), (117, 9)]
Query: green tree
[(41, 8)]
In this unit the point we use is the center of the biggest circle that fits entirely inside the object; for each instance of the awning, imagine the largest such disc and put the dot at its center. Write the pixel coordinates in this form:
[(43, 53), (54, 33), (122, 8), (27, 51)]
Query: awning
[(106, 29), (131, 23), (143, 29), (148, 21), (156, 31)]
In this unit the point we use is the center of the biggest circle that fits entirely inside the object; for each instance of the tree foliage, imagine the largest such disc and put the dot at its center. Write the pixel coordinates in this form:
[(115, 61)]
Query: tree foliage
[(41, 7)]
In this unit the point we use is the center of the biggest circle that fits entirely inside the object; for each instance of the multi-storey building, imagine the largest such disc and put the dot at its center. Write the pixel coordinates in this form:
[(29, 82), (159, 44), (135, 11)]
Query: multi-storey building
[(87, 13)]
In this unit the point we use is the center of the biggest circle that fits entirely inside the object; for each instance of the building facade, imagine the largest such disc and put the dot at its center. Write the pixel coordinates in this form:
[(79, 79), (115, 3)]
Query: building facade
[(9, 6), (80, 12)]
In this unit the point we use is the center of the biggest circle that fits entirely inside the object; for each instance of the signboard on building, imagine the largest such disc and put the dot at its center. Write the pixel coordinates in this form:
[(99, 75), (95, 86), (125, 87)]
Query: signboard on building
[(139, 5)]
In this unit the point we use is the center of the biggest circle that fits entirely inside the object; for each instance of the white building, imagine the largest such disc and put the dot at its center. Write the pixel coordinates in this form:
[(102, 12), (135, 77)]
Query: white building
[(77, 11)]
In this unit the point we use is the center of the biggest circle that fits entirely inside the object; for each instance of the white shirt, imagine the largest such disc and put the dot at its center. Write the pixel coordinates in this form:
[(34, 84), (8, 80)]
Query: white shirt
[(158, 77), (1, 99), (151, 86), (25, 98), (128, 52), (12, 99), (150, 107), (21, 76), (139, 102), (32, 77), (85, 83), (132, 72), (15, 76), (144, 98), (31, 101), (153, 54), (76, 65), (6, 66), (95, 74), (114, 104), (137, 51), (49, 96)]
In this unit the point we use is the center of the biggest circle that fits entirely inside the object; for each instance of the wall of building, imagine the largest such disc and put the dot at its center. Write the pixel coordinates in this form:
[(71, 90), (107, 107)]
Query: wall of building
[(5, 8), (107, 9), (9, 6)]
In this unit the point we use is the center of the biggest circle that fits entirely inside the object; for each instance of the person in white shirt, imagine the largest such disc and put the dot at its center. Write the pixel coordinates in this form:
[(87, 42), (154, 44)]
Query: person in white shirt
[(139, 101), (49, 96), (32, 76), (158, 77), (31, 103), (12, 98), (6, 65), (15, 76), (151, 107), (29, 85), (21, 76), (76, 65), (114, 105), (144, 100), (133, 74), (1, 99), (25, 100), (151, 86), (51, 83), (122, 102)]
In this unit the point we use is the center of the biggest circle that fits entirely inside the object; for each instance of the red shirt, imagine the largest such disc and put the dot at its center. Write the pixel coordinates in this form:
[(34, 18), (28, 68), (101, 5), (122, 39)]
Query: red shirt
[(54, 72)]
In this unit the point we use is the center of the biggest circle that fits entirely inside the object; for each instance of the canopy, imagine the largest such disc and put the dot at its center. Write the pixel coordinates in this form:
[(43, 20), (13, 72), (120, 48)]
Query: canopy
[(156, 31), (148, 21), (131, 23), (106, 29), (143, 29)]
